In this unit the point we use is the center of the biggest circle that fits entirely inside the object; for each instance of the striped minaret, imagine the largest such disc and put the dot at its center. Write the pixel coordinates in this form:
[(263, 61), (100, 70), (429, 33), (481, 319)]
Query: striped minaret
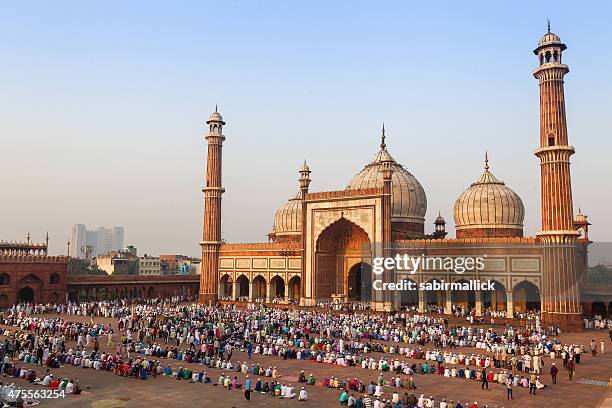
[(211, 235), (560, 297)]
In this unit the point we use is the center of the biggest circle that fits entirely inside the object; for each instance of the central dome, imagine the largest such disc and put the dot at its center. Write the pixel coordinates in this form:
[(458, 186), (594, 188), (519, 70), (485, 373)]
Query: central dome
[(408, 200)]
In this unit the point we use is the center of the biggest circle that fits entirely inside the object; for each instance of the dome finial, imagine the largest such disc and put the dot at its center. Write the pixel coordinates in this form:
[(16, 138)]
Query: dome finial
[(486, 160), (216, 108), (548, 20), (383, 145)]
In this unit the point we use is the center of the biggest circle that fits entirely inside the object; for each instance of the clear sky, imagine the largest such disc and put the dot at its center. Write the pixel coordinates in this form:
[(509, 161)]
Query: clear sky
[(103, 107)]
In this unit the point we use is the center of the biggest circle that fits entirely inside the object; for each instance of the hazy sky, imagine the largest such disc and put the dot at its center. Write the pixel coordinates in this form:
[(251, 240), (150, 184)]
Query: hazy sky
[(103, 107)]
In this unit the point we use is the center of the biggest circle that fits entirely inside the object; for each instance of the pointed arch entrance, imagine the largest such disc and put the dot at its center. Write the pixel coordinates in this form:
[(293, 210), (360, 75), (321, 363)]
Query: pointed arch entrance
[(465, 299), (409, 297), (341, 244), (496, 299), (359, 282), (259, 288), (435, 297), (277, 288), (226, 286), (526, 296), (243, 286), (295, 285), (25, 295)]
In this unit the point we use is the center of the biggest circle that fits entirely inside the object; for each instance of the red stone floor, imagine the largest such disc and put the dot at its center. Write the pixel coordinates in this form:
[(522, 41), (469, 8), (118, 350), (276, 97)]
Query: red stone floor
[(107, 390)]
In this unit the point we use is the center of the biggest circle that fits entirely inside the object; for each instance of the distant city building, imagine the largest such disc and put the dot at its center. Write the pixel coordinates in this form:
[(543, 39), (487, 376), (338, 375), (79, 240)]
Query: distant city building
[(148, 265), (91, 243), (179, 265), (123, 262), (189, 266)]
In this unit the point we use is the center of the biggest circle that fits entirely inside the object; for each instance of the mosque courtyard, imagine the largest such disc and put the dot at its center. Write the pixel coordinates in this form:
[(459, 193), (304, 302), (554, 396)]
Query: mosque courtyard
[(103, 389)]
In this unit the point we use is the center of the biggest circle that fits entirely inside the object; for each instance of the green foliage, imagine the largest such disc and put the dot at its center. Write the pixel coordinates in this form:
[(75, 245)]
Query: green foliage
[(599, 275), (78, 266)]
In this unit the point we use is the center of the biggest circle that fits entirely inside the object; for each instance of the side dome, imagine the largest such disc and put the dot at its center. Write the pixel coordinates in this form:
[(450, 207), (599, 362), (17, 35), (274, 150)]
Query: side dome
[(489, 209), (288, 221), (408, 199)]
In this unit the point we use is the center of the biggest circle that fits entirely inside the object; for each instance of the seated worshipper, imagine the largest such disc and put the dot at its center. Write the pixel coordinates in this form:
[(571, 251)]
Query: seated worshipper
[(344, 398), (311, 380), (289, 393), (70, 387), (303, 395)]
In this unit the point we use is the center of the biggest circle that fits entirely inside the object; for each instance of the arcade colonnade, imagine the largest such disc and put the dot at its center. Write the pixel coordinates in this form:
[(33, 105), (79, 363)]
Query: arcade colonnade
[(285, 288), (524, 295), (87, 288)]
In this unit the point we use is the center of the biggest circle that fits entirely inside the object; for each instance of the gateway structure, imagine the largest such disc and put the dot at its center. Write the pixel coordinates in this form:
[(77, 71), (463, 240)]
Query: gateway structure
[(322, 243)]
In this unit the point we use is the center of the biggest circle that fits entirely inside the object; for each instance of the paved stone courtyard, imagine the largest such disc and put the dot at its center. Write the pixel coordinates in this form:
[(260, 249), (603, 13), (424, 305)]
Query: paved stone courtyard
[(107, 390)]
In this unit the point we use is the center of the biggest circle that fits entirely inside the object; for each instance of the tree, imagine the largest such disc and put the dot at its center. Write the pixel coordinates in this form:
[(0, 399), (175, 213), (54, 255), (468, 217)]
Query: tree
[(599, 275), (77, 266)]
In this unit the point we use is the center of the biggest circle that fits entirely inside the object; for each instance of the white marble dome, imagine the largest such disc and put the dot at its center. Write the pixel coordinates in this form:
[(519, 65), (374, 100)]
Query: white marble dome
[(408, 199), (288, 219), (488, 204)]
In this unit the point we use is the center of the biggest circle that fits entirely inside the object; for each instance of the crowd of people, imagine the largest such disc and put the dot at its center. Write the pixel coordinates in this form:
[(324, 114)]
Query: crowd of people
[(143, 335)]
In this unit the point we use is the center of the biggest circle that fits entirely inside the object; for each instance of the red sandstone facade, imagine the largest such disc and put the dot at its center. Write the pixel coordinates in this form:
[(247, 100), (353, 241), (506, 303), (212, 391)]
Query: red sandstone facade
[(324, 242), (27, 278)]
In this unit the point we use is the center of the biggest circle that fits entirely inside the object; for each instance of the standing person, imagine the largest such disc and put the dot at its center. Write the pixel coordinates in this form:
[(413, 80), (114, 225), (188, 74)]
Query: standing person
[(247, 389), (570, 369), (602, 347), (593, 348), (229, 350), (109, 342), (250, 349), (485, 381), (509, 388), (553, 373), (532, 383)]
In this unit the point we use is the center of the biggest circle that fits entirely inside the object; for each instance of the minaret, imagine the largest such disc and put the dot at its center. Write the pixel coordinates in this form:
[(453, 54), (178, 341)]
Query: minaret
[(560, 297), (211, 235), (304, 184)]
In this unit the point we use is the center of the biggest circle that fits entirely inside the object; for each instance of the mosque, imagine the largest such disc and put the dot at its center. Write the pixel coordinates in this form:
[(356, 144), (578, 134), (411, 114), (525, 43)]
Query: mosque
[(322, 244)]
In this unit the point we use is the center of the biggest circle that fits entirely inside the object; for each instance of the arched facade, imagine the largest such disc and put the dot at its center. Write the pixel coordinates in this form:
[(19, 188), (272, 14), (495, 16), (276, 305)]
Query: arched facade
[(277, 288), (497, 299), (226, 287), (259, 288), (526, 296), (336, 247), (295, 287), (464, 299)]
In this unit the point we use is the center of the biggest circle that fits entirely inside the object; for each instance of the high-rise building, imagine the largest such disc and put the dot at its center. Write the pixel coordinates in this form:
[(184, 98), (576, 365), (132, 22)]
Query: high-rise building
[(87, 243)]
